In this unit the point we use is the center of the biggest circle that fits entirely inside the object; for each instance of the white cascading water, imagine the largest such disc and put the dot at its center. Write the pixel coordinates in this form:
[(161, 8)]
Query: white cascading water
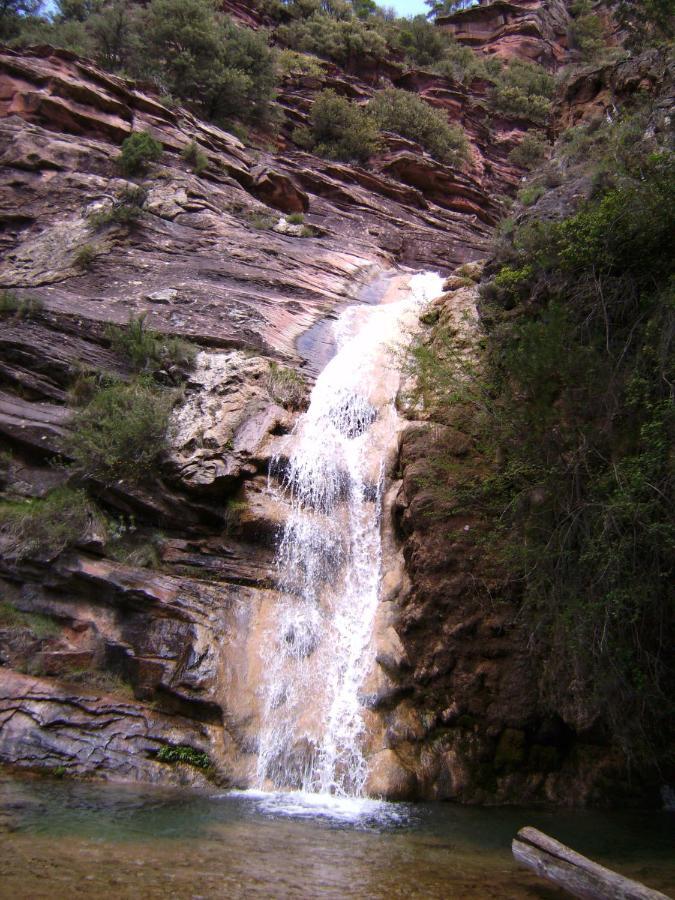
[(318, 652)]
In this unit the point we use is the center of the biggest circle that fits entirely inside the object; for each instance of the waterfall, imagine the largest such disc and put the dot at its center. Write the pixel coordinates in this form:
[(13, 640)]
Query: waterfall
[(318, 651)]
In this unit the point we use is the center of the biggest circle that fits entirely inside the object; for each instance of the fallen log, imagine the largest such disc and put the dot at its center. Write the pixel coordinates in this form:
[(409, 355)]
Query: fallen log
[(575, 873)]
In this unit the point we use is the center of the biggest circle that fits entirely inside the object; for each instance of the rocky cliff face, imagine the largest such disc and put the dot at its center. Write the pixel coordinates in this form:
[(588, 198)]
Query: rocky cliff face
[(137, 657)]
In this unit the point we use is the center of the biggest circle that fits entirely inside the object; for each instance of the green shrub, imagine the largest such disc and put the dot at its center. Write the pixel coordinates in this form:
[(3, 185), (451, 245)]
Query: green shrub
[(195, 157), (531, 193), (183, 754), (46, 526), (295, 218), (464, 65), (122, 432), (139, 150), (523, 89), (530, 151), (347, 42), (291, 63), (411, 117), (147, 350), (586, 32), (286, 386), (339, 129), (125, 211), (422, 42), (84, 256)]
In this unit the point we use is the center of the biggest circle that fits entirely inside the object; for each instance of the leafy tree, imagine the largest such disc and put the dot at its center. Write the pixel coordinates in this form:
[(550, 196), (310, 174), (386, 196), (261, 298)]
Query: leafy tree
[(364, 8), (200, 56), (422, 42), (116, 30)]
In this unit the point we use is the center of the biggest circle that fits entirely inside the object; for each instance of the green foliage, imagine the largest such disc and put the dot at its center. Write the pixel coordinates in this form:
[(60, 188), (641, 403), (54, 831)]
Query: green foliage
[(183, 754), (531, 193), (347, 42), (339, 129), (147, 350), (121, 432), (40, 626), (84, 256), (411, 117), (422, 42), (573, 398), (462, 64), (200, 56), (195, 157), (45, 526), (530, 151), (647, 22), (138, 151), (290, 63), (125, 211), (19, 307), (586, 32), (286, 386), (523, 89), (295, 218)]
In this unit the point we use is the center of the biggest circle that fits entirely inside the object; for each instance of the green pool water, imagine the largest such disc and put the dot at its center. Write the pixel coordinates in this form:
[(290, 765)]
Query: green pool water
[(73, 839)]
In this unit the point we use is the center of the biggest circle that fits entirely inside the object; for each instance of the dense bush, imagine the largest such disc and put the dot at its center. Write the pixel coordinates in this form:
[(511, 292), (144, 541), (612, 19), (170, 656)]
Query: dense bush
[(530, 151), (121, 432), (460, 63), (139, 150), (19, 307), (523, 89), (339, 129), (202, 57), (573, 397), (413, 118), (586, 32), (345, 41), (422, 42), (45, 526)]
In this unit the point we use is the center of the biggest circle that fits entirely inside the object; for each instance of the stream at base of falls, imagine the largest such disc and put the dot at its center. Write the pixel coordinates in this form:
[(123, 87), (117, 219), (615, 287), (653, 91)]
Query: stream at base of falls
[(62, 838)]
